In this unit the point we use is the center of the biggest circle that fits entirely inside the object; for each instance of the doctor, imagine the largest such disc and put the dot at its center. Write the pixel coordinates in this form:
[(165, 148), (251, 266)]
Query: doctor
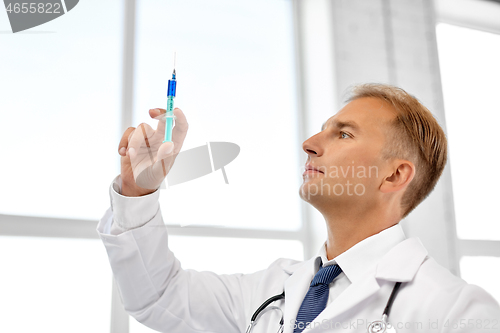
[(372, 163)]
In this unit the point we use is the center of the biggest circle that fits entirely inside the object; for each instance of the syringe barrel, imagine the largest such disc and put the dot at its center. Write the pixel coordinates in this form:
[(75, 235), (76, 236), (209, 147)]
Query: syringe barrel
[(169, 120), (171, 87)]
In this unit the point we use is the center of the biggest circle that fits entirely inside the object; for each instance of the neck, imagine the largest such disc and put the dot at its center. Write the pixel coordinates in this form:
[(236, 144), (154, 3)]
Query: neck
[(347, 229)]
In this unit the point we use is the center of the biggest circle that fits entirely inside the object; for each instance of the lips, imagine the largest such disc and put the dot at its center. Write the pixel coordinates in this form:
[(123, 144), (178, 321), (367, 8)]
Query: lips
[(310, 169)]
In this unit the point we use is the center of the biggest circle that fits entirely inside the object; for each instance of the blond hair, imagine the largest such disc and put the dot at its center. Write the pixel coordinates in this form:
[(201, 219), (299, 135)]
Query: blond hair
[(417, 137)]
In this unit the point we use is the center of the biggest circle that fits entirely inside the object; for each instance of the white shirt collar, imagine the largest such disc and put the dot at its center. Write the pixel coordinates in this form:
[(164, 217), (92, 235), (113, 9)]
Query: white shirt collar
[(356, 260)]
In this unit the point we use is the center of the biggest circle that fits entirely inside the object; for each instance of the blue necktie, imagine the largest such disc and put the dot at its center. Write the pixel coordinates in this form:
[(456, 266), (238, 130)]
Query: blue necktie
[(316, 297)]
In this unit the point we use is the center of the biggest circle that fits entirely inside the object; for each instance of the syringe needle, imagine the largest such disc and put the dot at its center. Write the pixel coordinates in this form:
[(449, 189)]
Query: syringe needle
[(175, 55)]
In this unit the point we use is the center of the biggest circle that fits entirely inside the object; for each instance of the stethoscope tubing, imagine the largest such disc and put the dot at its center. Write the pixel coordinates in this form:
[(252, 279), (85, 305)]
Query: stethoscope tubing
[(388, 307), (274, 298), (266, 303)]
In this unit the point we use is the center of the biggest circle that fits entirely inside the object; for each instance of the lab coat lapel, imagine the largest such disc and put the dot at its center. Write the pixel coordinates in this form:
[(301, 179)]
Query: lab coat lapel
[(349, 298), (296, 287)]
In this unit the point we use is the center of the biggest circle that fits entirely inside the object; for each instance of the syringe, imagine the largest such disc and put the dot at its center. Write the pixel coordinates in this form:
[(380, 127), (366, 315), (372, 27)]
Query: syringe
[(170, 106)]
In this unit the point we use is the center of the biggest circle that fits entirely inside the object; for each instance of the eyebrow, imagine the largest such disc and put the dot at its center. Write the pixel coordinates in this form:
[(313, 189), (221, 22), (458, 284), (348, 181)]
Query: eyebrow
[(342, 124)]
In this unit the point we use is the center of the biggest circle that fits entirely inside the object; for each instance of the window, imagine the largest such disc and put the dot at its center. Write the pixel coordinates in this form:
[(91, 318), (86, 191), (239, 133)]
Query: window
[(60, 98), (234, 83), (470, 75), (61, 113), (471, 81)]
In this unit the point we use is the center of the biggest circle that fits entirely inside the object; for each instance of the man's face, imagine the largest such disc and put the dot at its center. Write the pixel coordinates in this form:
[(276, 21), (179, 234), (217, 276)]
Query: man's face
[(348, 152)]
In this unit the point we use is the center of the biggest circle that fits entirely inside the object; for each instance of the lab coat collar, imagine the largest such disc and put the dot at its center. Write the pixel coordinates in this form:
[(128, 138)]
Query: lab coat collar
[(402, 262), (365, 254), (399, 264)]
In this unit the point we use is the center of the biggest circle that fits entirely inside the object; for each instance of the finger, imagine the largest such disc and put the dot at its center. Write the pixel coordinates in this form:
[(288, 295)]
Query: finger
[(159, 114), (180, 130), (122, 146), (139, 138), (155, 113), (163, 165)]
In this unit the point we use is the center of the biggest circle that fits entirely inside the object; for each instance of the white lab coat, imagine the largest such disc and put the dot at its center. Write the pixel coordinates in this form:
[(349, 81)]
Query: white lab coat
[(159, 293)]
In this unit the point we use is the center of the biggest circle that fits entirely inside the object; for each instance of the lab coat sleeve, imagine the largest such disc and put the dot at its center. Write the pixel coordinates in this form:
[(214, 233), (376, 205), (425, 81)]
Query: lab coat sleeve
[(474, 310), (155, 289), (130, 212)]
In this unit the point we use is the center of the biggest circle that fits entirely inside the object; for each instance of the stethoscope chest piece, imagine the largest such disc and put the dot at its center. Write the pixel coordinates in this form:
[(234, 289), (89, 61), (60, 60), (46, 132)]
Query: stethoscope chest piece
[(381, 326)]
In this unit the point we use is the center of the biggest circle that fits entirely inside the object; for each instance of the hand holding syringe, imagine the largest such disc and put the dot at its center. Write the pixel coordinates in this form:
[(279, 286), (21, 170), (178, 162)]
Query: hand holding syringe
[(146, 159)]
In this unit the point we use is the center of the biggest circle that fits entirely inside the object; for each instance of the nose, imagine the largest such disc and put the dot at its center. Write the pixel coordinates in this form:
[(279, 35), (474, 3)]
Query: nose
[(312, 146)]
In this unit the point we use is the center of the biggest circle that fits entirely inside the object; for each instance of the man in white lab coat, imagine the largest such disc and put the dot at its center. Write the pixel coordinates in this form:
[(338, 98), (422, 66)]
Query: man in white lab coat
[(372, 163)]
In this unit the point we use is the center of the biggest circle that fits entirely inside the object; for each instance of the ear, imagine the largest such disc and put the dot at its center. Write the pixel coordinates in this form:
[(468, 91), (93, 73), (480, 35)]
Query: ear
[(402, 175)]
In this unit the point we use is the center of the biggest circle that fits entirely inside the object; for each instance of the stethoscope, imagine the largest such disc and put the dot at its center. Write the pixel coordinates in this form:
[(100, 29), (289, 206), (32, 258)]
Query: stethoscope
[(263, 309), (377, 326)]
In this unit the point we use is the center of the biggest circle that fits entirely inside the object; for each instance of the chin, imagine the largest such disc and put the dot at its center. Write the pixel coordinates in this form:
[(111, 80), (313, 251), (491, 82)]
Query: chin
[(322, 193), (309, 193)]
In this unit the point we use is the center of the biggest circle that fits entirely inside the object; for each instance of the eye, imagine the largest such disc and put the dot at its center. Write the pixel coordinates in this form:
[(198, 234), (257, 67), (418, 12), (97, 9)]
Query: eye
[(344, 135)]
